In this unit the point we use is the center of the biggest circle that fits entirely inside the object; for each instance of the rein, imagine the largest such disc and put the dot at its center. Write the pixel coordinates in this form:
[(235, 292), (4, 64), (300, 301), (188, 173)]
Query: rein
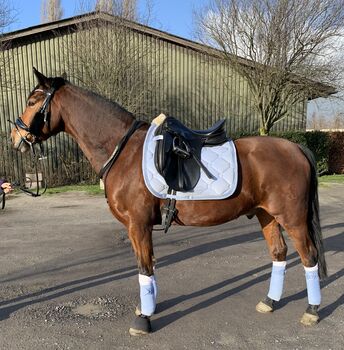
[(118, 149), (39, 190), (36, 159), (25, 190), (3, 200)]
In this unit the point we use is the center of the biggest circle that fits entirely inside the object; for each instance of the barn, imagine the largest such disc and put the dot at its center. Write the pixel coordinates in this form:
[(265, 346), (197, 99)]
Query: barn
[(146, 70)]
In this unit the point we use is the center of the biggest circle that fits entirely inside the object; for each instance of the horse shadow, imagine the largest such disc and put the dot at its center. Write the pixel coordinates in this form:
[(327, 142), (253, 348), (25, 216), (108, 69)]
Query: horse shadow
[(7, 307), (334, 243), (57, 265), (163, 321)]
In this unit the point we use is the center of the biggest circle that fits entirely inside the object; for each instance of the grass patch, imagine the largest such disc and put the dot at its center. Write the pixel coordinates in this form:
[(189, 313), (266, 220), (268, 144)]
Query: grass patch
[(337, 179), (89, 189), (95, 189)]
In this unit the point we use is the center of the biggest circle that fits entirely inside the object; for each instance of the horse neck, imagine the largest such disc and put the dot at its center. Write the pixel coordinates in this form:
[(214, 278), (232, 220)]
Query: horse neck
[(96, 124)]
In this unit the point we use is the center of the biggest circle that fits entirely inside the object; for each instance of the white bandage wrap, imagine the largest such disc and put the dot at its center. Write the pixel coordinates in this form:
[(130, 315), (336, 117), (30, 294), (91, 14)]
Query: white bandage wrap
[(148, 293), (313, 285), (277, 280)]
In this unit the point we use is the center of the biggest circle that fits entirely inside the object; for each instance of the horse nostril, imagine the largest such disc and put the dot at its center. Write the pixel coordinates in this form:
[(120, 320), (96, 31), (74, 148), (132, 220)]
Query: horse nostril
[(29, 137)]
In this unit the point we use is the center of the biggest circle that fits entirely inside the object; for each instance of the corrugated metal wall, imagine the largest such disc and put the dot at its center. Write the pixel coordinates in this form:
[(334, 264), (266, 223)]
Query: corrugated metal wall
[(195, 87)]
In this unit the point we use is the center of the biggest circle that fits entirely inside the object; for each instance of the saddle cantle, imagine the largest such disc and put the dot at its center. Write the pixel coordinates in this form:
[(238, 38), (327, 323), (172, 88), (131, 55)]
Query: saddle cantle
[(178, 152)]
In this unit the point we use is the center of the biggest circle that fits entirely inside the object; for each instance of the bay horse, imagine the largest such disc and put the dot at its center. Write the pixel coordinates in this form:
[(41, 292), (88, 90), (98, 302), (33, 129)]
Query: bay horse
[(277, 183)]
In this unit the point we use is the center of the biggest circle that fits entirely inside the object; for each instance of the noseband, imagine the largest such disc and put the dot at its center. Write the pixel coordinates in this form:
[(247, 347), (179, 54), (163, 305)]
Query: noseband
[(42, 117)]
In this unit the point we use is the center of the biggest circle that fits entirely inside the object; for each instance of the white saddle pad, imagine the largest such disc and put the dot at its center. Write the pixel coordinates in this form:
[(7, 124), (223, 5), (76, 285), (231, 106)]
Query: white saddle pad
[(221, 161)]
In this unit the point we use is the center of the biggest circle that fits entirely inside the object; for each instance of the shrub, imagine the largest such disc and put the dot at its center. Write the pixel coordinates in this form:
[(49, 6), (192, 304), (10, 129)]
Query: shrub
[(336, 154), (317, 141)]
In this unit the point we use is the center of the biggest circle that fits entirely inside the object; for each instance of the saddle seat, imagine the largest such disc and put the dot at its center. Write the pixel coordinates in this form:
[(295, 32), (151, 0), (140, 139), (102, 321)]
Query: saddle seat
[(178, 152), (215, 135)]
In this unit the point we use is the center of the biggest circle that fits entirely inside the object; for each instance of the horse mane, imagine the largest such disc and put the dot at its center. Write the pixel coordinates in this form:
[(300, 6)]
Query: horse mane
[(111, 107)]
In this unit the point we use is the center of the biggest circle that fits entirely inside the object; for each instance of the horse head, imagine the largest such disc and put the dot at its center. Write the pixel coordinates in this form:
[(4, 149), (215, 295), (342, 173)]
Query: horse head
[(41, 117)]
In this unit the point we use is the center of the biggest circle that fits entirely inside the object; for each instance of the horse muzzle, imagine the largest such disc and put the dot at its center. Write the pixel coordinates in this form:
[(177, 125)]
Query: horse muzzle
[(21, 140)]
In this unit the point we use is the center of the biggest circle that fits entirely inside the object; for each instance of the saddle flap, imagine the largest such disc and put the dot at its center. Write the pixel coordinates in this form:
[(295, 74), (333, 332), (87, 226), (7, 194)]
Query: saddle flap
[(174, 163), (164, 146)]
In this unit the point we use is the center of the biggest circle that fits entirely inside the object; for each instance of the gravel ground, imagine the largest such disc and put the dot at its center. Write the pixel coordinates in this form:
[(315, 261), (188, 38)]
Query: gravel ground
[(69, 281)]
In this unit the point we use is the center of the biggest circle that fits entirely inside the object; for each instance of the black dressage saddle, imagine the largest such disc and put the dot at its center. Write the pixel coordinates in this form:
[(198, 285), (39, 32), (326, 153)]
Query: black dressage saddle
[(178, 154)]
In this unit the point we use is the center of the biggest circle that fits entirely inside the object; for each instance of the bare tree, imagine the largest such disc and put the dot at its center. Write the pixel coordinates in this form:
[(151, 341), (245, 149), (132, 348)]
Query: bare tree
[(318, 121), (124, 8), (127, 9), (51, 10), (104, 5), (7, 17), (111, 60), (285, 49)]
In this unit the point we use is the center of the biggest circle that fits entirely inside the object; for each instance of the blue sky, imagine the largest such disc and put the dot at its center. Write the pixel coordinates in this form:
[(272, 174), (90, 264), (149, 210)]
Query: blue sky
[(173, 16)]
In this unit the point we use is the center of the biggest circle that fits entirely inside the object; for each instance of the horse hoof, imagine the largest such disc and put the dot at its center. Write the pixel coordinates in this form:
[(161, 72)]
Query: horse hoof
[(263, 308), (309, 319), (141, 326)]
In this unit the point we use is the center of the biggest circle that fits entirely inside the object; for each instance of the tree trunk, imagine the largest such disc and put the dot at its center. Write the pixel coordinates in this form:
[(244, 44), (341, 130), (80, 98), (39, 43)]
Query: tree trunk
[(263, 131)]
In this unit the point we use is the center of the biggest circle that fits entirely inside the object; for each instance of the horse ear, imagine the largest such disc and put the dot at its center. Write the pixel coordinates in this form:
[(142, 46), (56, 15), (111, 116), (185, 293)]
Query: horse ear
[(64, 75), (43, 80)]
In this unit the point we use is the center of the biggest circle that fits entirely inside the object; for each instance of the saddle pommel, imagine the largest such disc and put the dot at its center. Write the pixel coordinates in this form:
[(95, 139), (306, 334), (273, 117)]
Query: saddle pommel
[(159, 119)]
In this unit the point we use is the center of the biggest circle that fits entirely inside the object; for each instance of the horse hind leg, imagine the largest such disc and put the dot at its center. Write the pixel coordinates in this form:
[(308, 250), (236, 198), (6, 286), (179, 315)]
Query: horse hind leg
[(309, 258), (278, 251)]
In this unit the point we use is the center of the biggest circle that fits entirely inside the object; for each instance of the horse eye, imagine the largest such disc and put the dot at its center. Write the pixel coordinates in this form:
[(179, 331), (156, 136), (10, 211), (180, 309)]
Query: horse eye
[(31, 103)]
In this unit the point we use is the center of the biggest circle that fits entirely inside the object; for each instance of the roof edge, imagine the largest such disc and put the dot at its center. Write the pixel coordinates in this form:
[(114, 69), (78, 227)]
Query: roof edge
[(325, 90)]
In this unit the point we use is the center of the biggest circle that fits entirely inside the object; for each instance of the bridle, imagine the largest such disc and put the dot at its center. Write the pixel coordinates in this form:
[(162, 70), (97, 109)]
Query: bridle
[(41, 118)]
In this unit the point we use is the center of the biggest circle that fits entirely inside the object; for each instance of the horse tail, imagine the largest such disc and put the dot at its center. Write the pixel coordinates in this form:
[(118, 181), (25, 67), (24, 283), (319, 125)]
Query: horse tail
[(313, 219)]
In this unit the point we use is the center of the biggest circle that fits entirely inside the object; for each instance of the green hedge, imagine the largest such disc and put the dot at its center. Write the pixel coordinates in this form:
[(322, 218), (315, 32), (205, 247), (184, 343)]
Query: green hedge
[(317, 141), (336, 156)]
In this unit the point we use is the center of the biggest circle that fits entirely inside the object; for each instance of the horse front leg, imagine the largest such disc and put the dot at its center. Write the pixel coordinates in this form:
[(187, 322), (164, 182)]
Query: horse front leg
[(141, 240)]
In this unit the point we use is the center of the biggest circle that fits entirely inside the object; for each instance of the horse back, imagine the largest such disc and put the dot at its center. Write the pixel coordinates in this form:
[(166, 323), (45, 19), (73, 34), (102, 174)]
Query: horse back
[(275, 171), (268, 158)]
